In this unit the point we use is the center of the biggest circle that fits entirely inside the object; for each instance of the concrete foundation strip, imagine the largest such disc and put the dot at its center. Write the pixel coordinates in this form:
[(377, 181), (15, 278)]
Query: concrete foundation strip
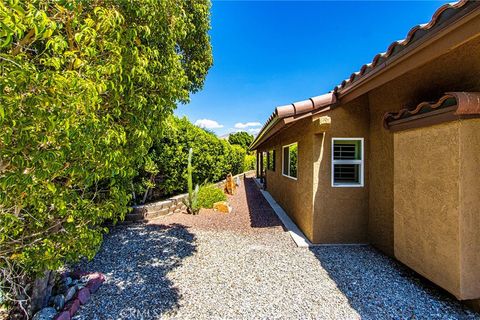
[(297, 235)]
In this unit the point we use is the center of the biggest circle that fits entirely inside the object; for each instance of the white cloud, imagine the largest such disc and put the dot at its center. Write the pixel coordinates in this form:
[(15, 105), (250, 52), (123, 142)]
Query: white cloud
[(254, 130), (240, 125), (208, 124)]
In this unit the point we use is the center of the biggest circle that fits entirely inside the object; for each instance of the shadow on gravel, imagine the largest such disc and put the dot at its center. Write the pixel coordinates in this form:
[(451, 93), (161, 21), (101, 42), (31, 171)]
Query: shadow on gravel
[(135, 260), (379, 287), (261, 214)]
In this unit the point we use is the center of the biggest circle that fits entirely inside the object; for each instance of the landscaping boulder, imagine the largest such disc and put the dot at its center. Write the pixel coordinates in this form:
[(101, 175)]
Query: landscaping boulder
[(72, 307), (83, 295), (45, 314), (222, 206), (59, 301), (65, 315), (94, 284), (68, 281), (70, 293), (229, 185)]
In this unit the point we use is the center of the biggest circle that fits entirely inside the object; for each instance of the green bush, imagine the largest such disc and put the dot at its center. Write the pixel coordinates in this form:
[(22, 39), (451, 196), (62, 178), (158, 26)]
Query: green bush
[(209, 194), (238, 159), (241, 138), (250, 162), (213, 158), (86, 85)]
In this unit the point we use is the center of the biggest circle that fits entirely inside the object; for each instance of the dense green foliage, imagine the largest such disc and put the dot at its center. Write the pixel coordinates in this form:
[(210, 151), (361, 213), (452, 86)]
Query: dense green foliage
[(250, 162), (213, 158), (209, 194), (241, 138), (84, 87)]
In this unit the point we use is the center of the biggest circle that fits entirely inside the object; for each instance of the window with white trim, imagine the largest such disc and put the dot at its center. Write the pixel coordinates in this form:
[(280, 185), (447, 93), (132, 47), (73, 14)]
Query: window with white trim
[(271, 160), (347, 162), (290, 160)]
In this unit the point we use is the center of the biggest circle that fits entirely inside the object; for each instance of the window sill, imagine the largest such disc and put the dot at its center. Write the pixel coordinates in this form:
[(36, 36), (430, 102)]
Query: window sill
[(347, 185), (293, 178)]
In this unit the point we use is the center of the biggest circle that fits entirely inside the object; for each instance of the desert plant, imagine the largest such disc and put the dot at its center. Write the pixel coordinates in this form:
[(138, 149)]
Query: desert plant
[(192, 200), (209, 194)]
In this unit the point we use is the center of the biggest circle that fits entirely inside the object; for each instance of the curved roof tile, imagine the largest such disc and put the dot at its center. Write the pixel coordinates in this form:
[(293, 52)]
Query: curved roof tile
[(298, 108), (304, 106), (441, 15), (468, 103)]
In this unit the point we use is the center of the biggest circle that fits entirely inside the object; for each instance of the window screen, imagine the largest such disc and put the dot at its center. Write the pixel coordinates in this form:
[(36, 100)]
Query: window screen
[(347, 162)]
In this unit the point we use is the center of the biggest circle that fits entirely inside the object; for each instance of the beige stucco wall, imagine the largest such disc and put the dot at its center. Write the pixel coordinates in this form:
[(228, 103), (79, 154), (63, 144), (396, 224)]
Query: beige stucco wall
[(436, 204), (426, 205), (295, 196), (340, 213), (324, 213), (470, 209), (456, 71)]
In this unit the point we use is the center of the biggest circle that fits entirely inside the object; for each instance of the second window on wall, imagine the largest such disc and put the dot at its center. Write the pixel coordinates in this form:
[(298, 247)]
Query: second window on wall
[(290, 160), (271, 160)]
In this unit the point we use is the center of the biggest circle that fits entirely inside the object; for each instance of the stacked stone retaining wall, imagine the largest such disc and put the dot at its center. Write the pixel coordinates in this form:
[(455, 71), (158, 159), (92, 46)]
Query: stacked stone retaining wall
[(164, 207)]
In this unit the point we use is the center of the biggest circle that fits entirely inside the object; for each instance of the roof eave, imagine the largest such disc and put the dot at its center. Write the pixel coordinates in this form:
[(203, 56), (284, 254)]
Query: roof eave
[(262, 133), (361, 85)]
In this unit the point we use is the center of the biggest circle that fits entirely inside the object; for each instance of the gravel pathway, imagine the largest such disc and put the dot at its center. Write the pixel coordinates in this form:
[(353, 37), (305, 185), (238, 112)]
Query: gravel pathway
[(181, 267)]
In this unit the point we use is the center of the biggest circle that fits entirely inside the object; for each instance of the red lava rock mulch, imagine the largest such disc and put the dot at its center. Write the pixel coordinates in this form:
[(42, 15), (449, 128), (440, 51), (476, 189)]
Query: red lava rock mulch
[(251, 213)]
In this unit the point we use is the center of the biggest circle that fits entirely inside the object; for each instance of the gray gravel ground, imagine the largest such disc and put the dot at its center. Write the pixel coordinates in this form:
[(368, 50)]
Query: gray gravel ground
[(156, 271)]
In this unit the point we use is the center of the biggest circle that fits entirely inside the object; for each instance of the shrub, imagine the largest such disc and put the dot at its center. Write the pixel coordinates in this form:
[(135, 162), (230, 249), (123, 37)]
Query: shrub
[(241, 138), (209, 194), (213, 158), (238, 159), (250, 162), (85, 87)]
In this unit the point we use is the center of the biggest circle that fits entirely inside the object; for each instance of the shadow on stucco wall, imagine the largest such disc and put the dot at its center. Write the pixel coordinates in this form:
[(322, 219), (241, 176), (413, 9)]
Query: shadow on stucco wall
[(135, 260), (378, 287)]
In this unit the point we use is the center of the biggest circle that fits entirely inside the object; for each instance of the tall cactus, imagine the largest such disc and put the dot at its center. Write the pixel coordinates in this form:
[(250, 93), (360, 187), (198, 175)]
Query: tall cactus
[(192, 200)]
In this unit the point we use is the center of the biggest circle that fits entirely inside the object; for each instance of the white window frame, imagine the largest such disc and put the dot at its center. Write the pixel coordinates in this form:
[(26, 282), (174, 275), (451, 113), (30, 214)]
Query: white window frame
[(361, 162), (283, 161)]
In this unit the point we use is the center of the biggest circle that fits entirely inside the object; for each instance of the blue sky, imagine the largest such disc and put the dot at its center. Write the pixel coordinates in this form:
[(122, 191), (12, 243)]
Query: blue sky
[(270, 53)]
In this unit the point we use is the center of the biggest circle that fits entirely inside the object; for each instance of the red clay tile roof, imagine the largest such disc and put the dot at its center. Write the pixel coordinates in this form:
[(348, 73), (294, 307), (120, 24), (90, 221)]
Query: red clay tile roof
[(462, 103), (442, 15), (304, 106), (297, 109)]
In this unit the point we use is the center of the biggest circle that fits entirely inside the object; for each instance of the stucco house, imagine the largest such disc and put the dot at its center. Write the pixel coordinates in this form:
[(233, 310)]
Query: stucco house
[(391, 156)]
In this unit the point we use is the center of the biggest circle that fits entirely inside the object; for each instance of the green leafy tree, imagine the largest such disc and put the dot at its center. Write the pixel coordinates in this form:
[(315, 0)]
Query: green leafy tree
[(84, 88), (241, 138), (213, 158)]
